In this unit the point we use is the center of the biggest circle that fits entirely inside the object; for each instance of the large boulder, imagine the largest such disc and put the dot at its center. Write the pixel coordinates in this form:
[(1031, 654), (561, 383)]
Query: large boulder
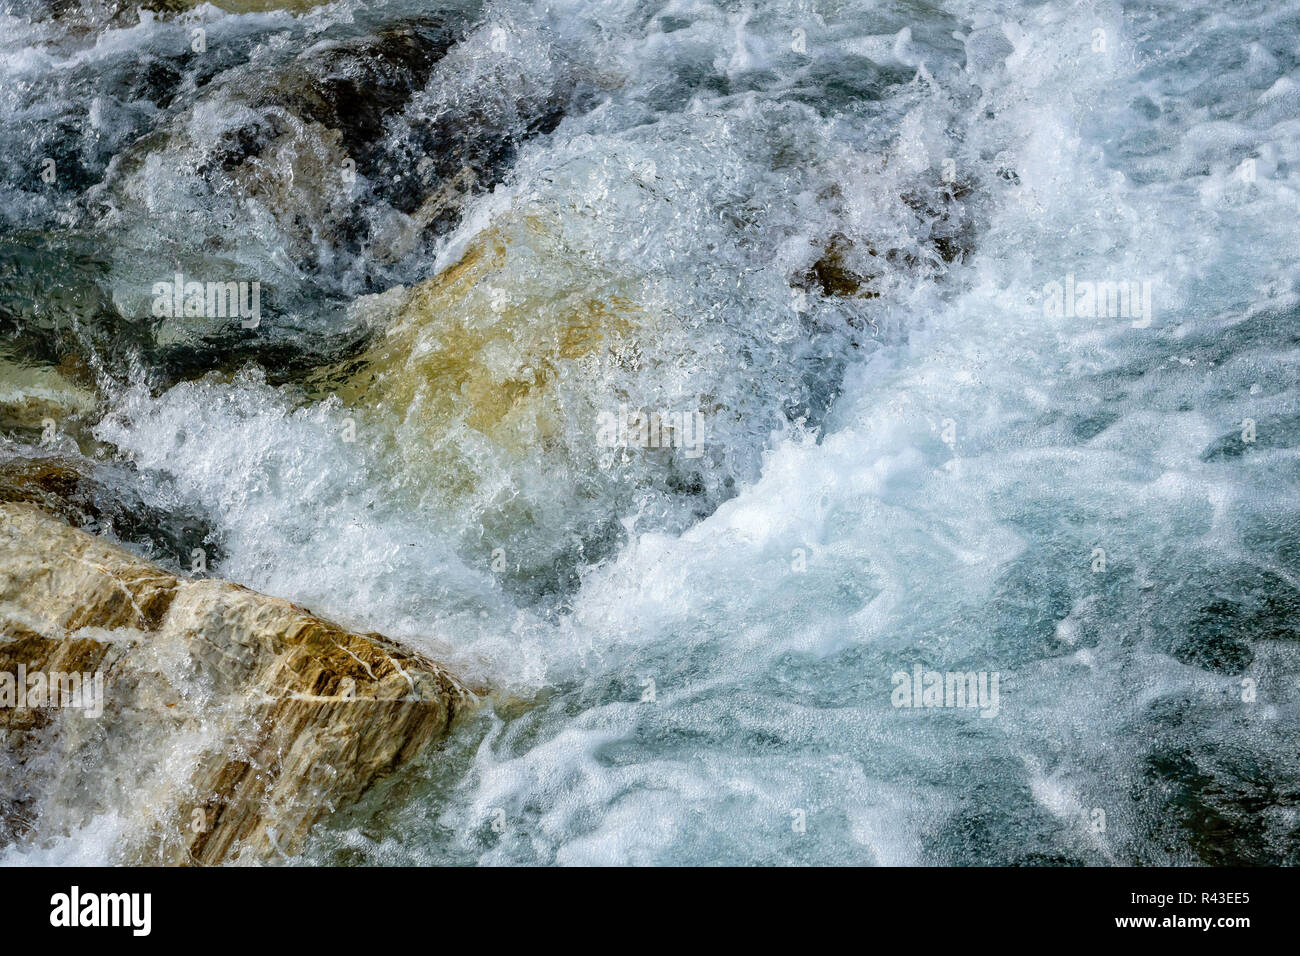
[(229, 722), (485, 387)]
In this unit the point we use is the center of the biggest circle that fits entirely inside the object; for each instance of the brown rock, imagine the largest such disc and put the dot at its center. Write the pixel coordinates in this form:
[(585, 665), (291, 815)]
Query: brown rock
[(831, 277), (31, 396), (232, 722)]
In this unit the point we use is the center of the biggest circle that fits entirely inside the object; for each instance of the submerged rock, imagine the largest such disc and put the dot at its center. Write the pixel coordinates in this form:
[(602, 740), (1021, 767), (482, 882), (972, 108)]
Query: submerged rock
[(107, 498), (235, 6), (125, 13), (484, 341), (59, 309), (328, 169), (831, 277), (37, 398), (229, 722), (334, 164), (488, 384)]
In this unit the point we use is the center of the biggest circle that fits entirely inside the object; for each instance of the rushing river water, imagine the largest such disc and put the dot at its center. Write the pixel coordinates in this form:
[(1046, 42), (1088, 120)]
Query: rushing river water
[(849, 250)]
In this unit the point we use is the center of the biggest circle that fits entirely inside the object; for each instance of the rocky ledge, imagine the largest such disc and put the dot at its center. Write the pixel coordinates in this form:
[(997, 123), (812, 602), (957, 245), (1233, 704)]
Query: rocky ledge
[(205, 722)]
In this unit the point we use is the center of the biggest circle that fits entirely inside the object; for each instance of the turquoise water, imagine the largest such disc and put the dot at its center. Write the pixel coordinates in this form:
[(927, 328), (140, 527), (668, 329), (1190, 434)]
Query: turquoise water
[(694, 659)]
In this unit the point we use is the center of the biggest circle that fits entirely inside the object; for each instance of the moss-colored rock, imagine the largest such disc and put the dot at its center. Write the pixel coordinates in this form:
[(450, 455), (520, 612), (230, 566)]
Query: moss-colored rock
[(830, 276), (31, 395), (482, 390), (482, 343)]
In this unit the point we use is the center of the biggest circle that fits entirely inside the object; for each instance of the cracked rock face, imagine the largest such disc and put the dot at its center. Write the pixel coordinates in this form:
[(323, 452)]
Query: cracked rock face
[(231, 722)]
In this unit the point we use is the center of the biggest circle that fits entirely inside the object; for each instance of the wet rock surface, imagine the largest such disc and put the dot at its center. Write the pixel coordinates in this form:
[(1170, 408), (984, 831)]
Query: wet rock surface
[(231, 721)]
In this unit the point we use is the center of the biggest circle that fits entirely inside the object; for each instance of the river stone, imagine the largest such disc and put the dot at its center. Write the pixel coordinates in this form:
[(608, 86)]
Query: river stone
[(232, 721), (483, 386), (31, 396)]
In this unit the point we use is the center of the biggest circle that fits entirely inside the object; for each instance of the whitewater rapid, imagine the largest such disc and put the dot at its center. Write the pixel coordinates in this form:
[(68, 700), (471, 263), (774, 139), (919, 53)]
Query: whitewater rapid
[(948, 474)]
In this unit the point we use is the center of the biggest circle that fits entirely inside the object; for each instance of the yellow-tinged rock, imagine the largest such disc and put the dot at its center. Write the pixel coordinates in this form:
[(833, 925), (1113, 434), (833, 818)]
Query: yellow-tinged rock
[(483, 392), (231, 722), (31, 396), (476, 369), (482, 341)]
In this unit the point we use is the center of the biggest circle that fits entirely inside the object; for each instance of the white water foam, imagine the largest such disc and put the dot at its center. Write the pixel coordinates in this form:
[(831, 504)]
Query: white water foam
[(723, 693)]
